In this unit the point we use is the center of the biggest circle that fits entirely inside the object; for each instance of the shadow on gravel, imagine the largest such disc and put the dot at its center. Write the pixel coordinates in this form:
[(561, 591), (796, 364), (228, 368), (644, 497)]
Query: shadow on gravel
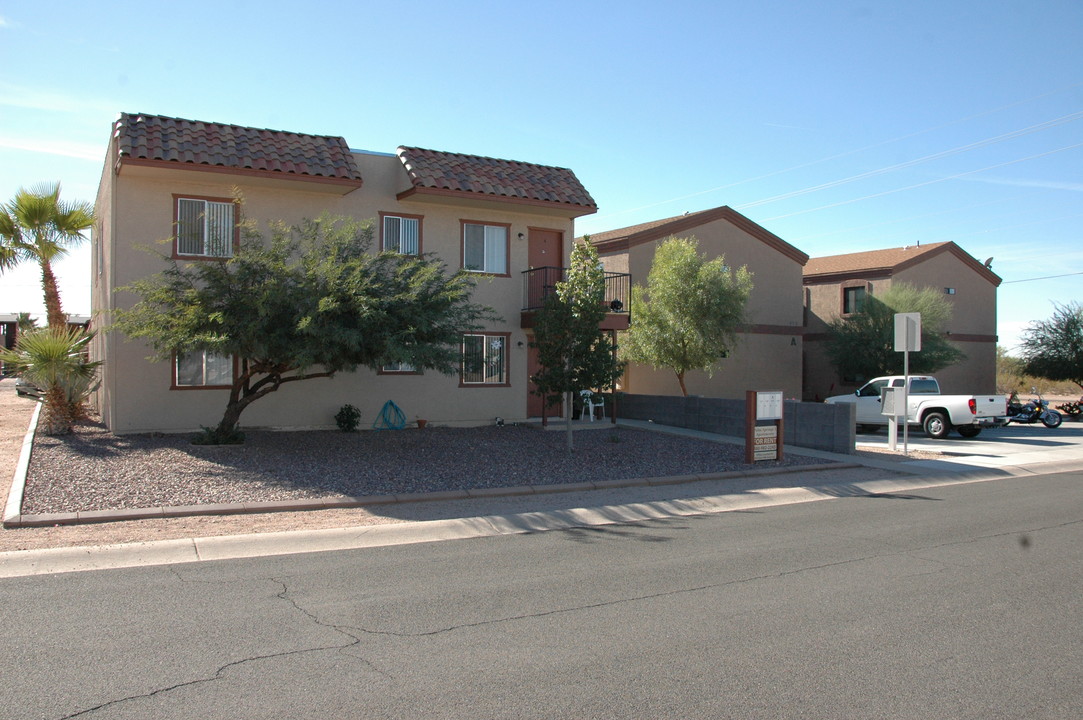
[(96, 470)]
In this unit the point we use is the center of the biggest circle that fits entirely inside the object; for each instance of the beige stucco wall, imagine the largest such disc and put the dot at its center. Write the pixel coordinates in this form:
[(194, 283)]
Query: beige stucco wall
[(138, 396), (973, 314), (766, 358)]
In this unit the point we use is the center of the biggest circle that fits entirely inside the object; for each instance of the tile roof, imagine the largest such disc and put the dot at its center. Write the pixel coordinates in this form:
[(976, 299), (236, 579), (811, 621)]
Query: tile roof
[(623, 238), (890, 261), (231, 147), (436, 172)]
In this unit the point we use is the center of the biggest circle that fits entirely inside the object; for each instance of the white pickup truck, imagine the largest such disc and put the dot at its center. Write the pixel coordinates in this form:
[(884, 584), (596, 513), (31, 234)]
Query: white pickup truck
[(935, 413)]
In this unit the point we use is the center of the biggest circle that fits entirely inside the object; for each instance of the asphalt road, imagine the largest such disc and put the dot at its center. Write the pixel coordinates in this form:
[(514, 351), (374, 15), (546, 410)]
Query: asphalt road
[(955, 602)]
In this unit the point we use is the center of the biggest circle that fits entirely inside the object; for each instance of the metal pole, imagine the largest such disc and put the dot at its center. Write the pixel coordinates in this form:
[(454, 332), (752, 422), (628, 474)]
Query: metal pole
[(906, 391)]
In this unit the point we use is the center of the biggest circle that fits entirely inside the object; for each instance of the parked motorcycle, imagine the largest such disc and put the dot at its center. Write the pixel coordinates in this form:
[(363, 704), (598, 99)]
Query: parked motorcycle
[(1037, 410)]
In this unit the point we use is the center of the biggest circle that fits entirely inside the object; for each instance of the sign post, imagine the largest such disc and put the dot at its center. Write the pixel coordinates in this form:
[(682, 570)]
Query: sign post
[(763, 442), (907, 338)]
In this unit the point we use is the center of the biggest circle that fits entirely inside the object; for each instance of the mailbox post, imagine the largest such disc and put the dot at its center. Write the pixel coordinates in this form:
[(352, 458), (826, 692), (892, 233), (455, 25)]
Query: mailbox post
[(763, 442)]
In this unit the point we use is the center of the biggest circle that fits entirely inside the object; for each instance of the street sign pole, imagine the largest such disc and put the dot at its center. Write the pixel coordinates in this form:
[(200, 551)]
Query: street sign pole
[(907, 338)]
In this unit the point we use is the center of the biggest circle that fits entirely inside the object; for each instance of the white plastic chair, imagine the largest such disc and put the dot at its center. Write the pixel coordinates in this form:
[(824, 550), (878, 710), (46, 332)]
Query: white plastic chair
[(589, 403)]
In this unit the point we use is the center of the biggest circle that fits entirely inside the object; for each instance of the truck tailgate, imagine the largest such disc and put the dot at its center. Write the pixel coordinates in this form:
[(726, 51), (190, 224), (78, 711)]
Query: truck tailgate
[(990, 406)]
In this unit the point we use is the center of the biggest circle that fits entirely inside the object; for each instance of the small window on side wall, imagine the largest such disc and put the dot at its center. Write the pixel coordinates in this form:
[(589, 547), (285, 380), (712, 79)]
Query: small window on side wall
[(485, 248), (402, 234), (202, 369), (205, 228), (399, 368), (853, 300)]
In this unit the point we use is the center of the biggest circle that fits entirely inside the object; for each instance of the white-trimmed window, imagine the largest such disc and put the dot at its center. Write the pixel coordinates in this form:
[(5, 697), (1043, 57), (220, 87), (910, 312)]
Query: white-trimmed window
[(205, 228), (401, 367), (485, 248), (402, 234), (202, 369), (485, 359)]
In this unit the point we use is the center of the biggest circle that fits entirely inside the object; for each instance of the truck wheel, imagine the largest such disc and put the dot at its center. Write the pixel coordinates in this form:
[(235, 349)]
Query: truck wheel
[(968, 431), (936, 425), (869, 429)]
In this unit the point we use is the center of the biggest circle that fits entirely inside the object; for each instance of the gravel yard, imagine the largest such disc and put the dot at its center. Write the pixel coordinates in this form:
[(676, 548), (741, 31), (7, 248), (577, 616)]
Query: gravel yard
[(96, 470)]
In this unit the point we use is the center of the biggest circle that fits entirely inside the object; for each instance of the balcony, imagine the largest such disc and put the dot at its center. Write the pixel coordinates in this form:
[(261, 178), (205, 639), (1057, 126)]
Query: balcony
[(538, 283)]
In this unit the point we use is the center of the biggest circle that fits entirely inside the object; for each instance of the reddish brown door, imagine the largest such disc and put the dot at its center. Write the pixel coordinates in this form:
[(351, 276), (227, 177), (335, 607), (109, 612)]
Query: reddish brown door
[(545, 249)]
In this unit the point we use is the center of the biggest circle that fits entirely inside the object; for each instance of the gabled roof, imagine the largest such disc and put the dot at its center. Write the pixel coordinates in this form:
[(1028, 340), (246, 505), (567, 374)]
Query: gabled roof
[(624, 238), (167, 141), (887, 262), (453, 174)]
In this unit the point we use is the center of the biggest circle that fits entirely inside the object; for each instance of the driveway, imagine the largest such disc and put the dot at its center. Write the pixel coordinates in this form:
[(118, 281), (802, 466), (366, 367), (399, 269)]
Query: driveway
[(1014, 446)]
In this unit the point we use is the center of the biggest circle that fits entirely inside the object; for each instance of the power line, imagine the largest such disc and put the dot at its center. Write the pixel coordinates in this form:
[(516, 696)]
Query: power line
[(921, 184), (1047, 277)]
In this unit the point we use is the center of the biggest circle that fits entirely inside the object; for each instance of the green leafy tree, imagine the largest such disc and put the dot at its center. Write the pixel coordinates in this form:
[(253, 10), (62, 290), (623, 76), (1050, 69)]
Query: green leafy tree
[(1053, 348), (574, 354), (310, 303), (863, 344), (55, 359), (25, 323), (688, 315), (37, 226)]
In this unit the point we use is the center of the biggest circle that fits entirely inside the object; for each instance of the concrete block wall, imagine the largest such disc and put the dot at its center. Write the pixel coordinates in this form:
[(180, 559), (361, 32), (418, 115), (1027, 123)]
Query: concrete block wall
[(812, 425)]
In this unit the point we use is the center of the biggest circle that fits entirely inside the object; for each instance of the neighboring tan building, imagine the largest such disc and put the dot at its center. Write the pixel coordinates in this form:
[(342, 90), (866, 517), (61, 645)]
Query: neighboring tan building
[(171, 184), (768, 353), (836, 286)]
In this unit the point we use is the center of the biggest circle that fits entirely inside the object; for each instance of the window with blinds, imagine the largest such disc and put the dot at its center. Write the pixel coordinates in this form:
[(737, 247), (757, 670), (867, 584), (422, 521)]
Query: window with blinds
[(204, 228), (485, 248), (402, 234), (203, 369)]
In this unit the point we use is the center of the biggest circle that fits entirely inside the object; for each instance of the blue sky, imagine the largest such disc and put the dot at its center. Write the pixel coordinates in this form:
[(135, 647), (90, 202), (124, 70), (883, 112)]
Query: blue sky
[(839, 126)]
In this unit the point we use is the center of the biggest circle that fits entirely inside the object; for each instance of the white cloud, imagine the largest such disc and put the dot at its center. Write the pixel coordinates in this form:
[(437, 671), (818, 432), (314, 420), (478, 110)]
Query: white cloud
[(36, 99), (1023, 182), (54, 146)]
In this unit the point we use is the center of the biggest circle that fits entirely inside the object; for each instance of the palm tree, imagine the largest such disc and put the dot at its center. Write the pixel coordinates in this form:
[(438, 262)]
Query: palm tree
[(55, 360), (36, 225)]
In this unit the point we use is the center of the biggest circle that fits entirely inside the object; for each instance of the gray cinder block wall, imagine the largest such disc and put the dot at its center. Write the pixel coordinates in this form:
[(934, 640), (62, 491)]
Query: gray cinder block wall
[(812, 425)]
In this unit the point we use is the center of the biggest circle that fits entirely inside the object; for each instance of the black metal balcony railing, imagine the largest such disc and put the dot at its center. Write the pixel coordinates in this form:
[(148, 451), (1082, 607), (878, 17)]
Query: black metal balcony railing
[(538, 283)]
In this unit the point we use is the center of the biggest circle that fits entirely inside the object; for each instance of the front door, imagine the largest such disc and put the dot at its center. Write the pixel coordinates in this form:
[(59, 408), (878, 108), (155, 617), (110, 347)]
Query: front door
[(545, 248)]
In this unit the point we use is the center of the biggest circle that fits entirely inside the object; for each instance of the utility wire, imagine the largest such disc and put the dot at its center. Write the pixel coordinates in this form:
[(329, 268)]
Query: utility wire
[(1047, 277)]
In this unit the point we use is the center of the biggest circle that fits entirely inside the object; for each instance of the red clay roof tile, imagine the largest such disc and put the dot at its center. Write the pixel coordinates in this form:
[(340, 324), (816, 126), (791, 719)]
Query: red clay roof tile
[(454, 172), (168, 139)]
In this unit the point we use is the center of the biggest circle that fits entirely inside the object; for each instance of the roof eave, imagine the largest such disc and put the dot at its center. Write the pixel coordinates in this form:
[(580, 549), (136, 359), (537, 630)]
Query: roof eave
[(564, 209)]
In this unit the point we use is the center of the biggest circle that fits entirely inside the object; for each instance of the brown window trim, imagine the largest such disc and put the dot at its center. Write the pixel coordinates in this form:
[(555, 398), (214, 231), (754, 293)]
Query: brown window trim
[(507, 246), (850, 286), (173, 376), (236, 227), (420, 230), (507, 360)]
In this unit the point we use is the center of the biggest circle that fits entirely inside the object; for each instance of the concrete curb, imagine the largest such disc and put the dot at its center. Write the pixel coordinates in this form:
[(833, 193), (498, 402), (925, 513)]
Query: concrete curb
[(99, 516), (21, 563), (18, 482)]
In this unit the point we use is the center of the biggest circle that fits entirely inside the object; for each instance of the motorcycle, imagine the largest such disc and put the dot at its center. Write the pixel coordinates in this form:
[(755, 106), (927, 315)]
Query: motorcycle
[(1037, 410)]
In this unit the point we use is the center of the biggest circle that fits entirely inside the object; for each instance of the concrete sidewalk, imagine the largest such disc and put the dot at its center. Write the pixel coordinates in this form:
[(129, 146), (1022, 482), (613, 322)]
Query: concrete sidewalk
[(502, 512)]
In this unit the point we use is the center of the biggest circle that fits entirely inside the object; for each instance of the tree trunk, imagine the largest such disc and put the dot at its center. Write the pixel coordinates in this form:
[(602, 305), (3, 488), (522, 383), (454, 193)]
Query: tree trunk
[(228, 425), (568, 421), (55, 415), (53, 311), (680, 379)]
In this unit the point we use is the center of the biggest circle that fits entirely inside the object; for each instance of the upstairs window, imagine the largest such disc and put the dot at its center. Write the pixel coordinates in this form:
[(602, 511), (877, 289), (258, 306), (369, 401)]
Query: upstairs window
[(485, 248), (402, 234), (485, 360), (202, 369), (205, 228), (853, 300)]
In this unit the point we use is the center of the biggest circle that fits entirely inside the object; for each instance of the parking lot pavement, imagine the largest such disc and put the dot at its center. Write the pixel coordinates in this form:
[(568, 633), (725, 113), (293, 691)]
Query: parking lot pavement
[(1016, 449)]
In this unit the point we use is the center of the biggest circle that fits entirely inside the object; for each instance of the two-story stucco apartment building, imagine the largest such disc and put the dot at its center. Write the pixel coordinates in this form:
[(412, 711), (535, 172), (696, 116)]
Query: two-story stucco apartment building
[(172, 184)]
